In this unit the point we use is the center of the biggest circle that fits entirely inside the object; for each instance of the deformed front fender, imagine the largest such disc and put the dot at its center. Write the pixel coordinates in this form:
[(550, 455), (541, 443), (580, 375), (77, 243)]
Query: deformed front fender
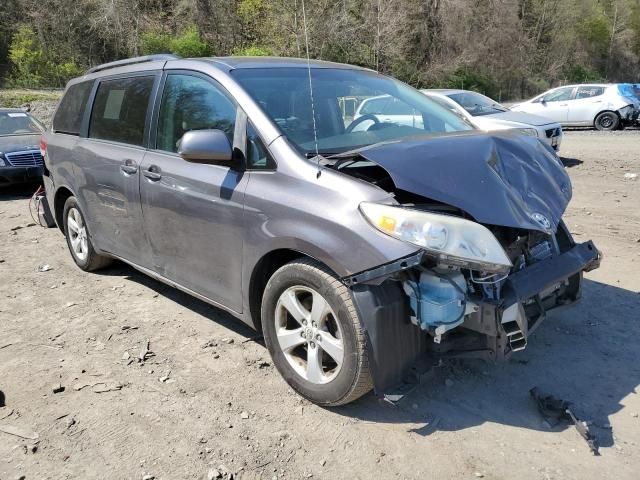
[(393, 342)]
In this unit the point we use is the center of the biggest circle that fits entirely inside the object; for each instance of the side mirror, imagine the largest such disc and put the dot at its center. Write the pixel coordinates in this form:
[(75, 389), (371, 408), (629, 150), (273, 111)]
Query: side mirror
[(205, 146)]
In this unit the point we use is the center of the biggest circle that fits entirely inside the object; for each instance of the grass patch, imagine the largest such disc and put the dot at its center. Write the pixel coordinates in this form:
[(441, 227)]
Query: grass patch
[(12, 98)]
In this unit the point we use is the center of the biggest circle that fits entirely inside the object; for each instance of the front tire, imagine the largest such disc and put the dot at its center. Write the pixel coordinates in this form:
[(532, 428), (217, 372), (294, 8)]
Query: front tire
[(313, 334), (79, 240), (607, 121)]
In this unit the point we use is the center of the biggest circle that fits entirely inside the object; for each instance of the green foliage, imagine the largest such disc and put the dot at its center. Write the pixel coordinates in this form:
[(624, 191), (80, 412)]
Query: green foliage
[(189, 44), (582, 74), (596, 30), (254, 51), (33, 66), (472, 79), (250, 10), (155, 42)]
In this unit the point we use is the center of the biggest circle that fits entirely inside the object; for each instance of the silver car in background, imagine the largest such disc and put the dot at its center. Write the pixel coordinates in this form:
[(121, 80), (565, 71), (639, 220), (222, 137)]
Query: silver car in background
[(489, 115), (599, 105)]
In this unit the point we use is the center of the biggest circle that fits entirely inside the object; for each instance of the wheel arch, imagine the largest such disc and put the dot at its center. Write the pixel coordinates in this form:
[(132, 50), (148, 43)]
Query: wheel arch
[(264, 269), (59, 199)]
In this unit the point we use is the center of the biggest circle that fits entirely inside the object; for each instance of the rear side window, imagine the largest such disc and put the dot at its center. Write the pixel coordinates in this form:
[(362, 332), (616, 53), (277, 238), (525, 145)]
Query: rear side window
[(120, 110), (68, 117), (588, 92)]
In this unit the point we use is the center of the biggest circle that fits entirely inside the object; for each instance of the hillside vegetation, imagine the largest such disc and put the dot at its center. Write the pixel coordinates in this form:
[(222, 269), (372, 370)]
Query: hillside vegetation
[(505, 48)]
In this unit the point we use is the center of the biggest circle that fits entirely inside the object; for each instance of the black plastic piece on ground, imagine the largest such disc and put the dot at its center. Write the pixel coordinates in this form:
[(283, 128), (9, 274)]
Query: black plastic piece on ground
[(556, 410)]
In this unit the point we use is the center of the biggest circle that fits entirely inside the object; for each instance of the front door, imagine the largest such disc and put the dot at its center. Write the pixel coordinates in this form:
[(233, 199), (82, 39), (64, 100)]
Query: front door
[(555, 104), (193, 213), (110, 166)]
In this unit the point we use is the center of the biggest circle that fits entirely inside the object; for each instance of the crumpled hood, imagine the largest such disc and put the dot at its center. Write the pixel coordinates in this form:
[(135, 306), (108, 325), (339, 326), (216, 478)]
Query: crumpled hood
[(498, 179)]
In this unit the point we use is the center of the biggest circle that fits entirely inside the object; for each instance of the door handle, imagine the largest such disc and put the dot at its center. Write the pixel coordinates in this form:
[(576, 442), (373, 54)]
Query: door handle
[(129, 167), (152, 173)]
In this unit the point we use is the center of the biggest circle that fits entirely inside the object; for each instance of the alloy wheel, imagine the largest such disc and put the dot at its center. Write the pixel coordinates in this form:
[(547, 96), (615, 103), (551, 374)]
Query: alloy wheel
[(77, 234), (309, 334)]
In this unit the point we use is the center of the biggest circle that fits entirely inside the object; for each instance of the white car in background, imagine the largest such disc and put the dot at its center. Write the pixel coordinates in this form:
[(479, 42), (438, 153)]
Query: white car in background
[(600, 105), (387, 109), (489, 115)]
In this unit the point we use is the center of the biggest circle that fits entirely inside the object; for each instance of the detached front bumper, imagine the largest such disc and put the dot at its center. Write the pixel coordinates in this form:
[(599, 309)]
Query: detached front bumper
[(14, 175), (397, 348)]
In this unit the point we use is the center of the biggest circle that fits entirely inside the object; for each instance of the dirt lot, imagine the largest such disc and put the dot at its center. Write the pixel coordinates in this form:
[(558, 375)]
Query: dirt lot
[(209, 397)]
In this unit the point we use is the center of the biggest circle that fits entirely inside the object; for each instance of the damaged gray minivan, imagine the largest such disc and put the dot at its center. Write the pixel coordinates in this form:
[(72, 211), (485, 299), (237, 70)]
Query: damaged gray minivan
[(359, 248)]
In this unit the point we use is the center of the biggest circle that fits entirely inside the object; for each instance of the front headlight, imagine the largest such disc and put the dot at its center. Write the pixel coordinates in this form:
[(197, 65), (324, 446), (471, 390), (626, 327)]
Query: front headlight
[(3, 162), (529, 132), (452, 240)]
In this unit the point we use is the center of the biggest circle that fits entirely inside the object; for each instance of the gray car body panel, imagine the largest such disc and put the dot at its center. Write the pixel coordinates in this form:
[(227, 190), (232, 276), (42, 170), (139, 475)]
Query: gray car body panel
[(289, 208)]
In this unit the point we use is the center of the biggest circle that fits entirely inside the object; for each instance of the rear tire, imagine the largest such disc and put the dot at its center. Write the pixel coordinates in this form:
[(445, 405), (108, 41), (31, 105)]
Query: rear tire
[(607, 121), (79, 240), (320, 349)]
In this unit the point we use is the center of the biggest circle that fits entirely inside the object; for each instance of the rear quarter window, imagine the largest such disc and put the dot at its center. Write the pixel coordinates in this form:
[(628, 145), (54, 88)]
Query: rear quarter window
[(68, 117), (588, 92), (120, 110)]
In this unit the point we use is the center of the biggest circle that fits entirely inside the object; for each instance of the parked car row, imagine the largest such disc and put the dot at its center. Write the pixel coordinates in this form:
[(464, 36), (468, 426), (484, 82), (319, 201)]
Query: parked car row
[(359, 241)]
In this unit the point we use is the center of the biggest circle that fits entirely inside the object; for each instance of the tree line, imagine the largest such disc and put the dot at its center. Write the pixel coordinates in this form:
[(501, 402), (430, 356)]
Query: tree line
[(504, 48)]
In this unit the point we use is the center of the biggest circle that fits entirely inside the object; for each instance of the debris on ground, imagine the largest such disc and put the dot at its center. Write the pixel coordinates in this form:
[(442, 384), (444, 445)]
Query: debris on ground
[(556, 410), (209, 344), (630, 176), (19, 432), (146, 353), (45, 267), (98, 387), (58, 388)]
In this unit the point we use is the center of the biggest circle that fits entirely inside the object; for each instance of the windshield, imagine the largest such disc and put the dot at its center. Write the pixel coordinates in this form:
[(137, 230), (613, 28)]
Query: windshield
[(476, 104), (18, 123), (386, 109)]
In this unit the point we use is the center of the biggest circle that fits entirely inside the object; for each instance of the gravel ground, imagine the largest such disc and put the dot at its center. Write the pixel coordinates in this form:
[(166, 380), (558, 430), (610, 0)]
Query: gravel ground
[(208, 401)]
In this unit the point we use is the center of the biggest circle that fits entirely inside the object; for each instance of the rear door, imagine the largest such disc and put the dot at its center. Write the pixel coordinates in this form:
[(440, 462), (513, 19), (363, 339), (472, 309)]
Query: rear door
[(587, 102), (193, 213), (109, 164)]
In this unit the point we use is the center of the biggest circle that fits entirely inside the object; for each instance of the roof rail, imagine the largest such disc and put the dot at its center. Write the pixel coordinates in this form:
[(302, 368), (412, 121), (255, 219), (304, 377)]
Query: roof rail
[(132, 61)]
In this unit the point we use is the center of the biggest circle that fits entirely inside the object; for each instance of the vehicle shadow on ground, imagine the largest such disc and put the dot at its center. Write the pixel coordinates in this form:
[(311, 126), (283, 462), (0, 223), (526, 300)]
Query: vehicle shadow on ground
[(570, 162), (17, 192), (586, 354), (185, 300)]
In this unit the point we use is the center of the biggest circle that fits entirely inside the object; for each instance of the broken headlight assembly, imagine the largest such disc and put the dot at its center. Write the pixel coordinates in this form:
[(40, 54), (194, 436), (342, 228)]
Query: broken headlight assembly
[(451, 240)]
